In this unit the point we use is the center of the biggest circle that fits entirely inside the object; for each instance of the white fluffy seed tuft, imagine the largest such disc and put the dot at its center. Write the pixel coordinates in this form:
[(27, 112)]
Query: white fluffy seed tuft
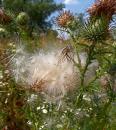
[(42, 72)]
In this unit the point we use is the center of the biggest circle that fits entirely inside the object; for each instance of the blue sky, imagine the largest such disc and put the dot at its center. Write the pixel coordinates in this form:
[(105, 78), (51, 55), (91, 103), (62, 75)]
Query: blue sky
[(76, 6)]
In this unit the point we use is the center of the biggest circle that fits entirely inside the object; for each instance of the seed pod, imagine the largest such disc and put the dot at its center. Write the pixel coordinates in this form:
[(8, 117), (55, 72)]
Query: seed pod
[(22, 18)]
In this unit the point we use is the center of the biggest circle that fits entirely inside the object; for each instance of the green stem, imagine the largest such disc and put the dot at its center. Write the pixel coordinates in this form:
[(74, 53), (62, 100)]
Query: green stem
[(75, 46), (89, 58)]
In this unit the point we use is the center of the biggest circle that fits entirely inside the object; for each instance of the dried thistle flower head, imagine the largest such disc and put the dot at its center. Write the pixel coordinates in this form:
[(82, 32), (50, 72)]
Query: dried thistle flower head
[(105, 8), (64, 18), (4, 18), (66, 54)]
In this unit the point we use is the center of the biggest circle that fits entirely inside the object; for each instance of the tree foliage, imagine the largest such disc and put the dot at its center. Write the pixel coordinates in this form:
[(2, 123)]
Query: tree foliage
[(38, 10)]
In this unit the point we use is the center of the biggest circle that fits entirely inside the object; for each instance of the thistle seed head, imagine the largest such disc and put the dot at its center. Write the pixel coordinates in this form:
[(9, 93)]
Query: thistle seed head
[(105, 8), (64, 18)]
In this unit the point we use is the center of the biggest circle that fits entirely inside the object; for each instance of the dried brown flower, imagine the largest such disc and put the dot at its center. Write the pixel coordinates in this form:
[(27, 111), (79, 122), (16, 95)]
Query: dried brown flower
[(66, 54), (105, 8), (4, 18), (64, 18), (38, 85)]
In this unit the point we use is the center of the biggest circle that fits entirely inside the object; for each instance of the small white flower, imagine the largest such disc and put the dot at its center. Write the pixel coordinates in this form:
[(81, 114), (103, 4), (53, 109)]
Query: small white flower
[(1, 83), (90, 109), (8, 94), (6, 101), (6, 71), (38, 108), (29, 122), (42, 126), (65, 111), (11, 44), (44, 111), (114, 44), (59, 126), (71, 110), (86, 98), (43, 107), (14, 45), (105, 72), (1, 77), (79, 109), (4, 84), (2, 30), (13, 50), (32, 98), (63, 116)]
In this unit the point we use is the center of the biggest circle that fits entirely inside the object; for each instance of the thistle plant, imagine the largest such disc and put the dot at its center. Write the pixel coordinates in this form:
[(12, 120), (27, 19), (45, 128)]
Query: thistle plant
[(72, 88), (98, 44)]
